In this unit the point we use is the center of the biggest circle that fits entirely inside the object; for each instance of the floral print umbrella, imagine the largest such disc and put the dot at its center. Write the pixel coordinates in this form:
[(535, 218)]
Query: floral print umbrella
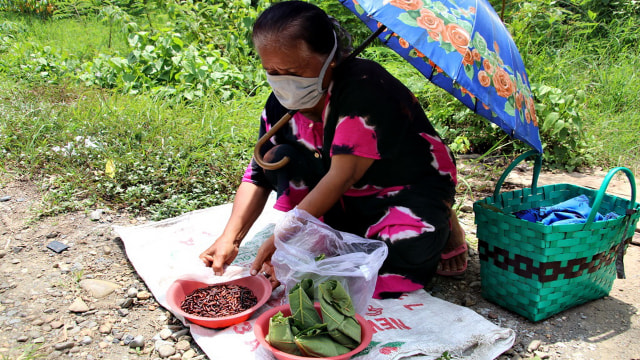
[(463, 47)]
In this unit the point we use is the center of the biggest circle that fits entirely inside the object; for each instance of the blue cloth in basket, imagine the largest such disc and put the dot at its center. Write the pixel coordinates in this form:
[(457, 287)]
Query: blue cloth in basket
[(572, 211)]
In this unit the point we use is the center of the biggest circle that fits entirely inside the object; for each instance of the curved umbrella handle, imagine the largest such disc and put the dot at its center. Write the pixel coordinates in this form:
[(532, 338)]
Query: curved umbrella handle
[(256, 150)]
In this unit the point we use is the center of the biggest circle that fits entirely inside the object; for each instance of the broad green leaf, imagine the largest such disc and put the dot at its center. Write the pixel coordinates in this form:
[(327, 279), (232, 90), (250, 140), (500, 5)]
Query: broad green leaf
[(301, 303), (339, 314), (315, 342), (281, 334)]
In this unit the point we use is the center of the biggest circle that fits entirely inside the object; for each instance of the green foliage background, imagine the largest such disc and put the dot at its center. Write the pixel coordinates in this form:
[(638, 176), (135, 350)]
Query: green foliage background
[(152, 105)]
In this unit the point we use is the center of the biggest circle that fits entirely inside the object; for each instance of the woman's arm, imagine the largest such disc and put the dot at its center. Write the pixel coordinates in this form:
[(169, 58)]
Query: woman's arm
[(345, 171), (248, 204)]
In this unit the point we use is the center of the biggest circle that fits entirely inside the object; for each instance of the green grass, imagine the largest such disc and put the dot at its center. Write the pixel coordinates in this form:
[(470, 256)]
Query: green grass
[(167, 159), (83, 37), (608, 74)]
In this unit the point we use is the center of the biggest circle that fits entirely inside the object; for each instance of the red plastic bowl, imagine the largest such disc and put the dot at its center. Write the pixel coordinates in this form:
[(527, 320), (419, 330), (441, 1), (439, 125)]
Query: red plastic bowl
[(261, 329), (259, 285)]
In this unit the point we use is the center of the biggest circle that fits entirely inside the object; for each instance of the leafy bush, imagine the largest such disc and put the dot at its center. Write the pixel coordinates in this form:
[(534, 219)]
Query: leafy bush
[(47, 64), (161, 63), (561, 114)]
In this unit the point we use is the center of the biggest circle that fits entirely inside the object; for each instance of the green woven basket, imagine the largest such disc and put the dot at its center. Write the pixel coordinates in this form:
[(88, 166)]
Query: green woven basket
[(539, 270)]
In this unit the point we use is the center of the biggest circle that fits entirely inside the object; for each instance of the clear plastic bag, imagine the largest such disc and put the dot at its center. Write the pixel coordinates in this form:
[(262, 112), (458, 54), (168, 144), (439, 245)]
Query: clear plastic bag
[(309, 248)]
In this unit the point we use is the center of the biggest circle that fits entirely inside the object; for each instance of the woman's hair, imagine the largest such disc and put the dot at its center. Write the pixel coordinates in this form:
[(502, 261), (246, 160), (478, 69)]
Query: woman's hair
[(298, 20)]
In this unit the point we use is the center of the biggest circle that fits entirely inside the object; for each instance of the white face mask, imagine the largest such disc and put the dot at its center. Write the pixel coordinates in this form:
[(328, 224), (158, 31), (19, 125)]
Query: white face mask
[(296, 92)]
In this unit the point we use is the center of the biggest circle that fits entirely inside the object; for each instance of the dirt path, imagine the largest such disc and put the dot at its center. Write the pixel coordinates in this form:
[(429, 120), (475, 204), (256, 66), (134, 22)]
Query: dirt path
[(40, 291)]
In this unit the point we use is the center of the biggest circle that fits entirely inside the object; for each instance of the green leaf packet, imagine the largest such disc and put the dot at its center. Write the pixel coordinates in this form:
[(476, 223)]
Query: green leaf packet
[(301, 303), (316, 342), (339, 314), (281, 334)]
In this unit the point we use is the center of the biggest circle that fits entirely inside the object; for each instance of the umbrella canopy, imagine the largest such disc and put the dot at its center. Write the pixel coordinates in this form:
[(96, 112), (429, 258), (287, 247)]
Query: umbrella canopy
[(463, 47)]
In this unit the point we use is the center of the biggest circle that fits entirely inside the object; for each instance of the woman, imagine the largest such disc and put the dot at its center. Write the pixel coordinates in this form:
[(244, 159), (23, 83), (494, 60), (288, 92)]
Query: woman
[(363, 155)]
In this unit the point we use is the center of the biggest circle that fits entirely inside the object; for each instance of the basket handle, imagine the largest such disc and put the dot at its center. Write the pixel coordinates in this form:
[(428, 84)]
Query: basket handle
[(603, 189), (536, 171)]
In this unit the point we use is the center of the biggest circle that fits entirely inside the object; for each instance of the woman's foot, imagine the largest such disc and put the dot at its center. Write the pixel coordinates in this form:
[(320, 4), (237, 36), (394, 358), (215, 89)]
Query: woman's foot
[(453, 261)]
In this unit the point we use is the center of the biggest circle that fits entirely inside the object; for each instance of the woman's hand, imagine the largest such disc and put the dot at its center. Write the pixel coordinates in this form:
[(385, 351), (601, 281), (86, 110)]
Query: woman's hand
[(262, 262), (222, 252), (269, 273)]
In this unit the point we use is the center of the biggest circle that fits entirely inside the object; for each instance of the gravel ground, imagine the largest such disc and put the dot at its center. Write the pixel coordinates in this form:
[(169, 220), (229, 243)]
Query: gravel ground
[(87, 301)]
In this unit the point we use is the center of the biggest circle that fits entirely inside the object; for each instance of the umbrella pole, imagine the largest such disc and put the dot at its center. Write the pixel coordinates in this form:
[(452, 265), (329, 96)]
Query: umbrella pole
[(256, 150), (277, 165), (366, 42)]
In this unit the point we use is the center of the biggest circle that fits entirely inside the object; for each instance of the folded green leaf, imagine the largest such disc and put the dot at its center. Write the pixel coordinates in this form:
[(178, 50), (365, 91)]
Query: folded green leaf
[(281, 334), (339, 315), (303, 312), (316, 342)]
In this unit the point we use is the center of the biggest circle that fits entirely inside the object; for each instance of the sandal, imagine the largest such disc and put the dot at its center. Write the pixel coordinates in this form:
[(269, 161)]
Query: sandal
[(453, 253)]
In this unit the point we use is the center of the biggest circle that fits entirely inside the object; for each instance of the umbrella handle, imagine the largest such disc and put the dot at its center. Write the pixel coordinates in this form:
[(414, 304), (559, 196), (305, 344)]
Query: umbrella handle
[(366, 42), (256, 150)]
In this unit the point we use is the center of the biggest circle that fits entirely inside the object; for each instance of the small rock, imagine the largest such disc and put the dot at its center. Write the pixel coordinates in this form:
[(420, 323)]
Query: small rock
[(117, 335), (127, 339), (86, 340), (542, 355), (468, 300), (492, 315), (125, 303), (475, 284), (105, 328), (132, 292), (166, 350), (123, 312), (5, 198), (183, 345), (98, 288), (3, 253), (63, 345), (176, 335), (534, 345), (143, 295), (96, 214), (165, 333), (22, 338), (137, 342), (56, 324), (188, 355), (78, 306)]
